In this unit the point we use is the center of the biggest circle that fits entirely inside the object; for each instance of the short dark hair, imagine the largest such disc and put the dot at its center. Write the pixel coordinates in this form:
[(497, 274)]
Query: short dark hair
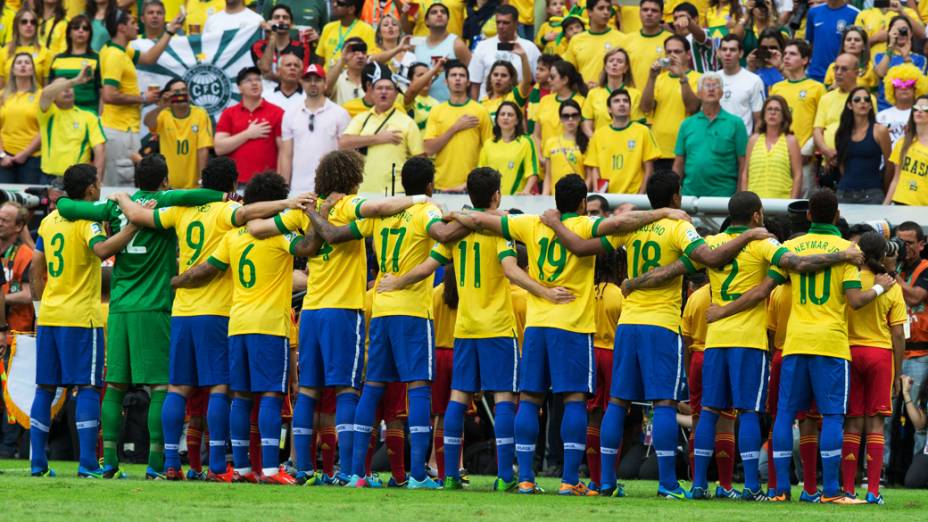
[(150, 172), (339, 171), (220, 173), (687, 8), (116, 18), (482, 183), (285, 7), (569, 193), (454, 64), (549, 60), (591, 4), (171, 83), (911, 226), (742, 205), (78, 178), (662, 186), (246, 72), (411, 72), (805, 50), (266, 186), (660, 4), (823, 206), (731, 37), (507, 10), (417, 174), (678, 38), (603, 202), (615, 93)]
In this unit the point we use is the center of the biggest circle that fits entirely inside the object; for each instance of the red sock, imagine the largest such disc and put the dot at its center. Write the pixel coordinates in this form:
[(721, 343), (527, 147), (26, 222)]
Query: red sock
[(194, 442), (254, 442), (771, 469), (849, 453), (371, 447), (396, 451), (592, 454), (808, 454), (328, 440), (725, 457), (438, 447), (874, 462)]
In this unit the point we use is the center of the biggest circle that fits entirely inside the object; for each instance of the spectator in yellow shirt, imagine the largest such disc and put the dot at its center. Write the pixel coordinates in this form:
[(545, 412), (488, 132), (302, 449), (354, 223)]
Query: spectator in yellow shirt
[(53, 26), (19, 127), (616, 75), (564, 153), (24, 38)]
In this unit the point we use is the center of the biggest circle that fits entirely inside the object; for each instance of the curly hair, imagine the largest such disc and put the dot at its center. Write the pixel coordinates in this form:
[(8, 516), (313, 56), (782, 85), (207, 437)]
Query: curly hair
[(904, 72), (339, 171)]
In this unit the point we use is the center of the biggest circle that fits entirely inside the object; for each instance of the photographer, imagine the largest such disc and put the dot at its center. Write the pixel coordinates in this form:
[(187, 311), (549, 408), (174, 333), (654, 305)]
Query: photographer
[(767, 59), (267, 52), (913, 280), (898, 52), (915, 408)]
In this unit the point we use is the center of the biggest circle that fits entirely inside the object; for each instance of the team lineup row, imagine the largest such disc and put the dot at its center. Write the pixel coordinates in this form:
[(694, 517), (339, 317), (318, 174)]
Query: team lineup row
[(231, 317)]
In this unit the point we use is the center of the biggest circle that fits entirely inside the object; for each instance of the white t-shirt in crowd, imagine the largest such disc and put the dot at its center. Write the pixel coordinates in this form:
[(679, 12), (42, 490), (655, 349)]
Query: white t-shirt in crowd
[(309, 146), (486, 54), (894, 119), (742, 95), (223, 21), (278, 98)]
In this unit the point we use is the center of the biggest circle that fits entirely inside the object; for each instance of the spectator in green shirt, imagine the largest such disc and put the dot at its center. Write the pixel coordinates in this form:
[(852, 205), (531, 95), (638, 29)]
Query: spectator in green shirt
[(710, 145)]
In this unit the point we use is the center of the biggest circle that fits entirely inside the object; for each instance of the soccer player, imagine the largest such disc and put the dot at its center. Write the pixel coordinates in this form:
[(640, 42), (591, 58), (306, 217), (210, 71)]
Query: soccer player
[(816, 351), (138, 330), (401, 342), (648, 363), (259, 328), (65, 278), (485, 349), (199, 347), (332, 321), (559, 333), (877, 340)]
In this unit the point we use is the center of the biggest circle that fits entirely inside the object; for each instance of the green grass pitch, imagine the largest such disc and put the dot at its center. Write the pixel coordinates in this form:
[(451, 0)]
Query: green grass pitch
[(68, 498)]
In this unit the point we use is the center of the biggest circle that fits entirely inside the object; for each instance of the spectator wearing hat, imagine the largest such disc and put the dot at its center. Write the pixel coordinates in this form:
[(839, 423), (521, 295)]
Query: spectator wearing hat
[(288, 93), (384, 133), (309, 131), (249, 131), (344, 80)]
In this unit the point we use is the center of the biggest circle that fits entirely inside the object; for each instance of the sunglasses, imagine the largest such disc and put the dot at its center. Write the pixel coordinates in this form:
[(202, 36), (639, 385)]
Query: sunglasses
[(859, 99), (29, 21), (570, 116), (920, 108), (312, 123), (82, 27)]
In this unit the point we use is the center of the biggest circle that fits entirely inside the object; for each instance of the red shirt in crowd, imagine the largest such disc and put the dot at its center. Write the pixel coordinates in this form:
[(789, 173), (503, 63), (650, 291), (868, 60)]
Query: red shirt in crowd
[(253, 156)]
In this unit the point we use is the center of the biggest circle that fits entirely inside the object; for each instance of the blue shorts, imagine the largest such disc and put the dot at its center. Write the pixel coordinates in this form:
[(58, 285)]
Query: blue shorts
[(490, 364), (402, 349), (559, 359), (259, 363), (199, 350), (804, 377), (647, 364), (69, 355), (331, 347), (734, 378)]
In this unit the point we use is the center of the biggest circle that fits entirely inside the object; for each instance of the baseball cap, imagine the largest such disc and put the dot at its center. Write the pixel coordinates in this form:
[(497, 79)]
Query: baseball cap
[(314, 68), (373, 72)]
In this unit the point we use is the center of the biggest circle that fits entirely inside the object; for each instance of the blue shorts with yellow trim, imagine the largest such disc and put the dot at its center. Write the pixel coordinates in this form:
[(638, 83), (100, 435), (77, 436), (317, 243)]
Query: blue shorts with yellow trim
[(331, 347), (559, 359), (402, 349), (69, 355), (806, 377), (734, 378), (259, 363), (647, 364), (199, 350), (490, 364)]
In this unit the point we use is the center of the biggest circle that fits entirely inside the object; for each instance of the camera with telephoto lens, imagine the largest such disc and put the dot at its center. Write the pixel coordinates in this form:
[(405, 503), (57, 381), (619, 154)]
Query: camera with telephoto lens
[(895, 247), (26, 199)]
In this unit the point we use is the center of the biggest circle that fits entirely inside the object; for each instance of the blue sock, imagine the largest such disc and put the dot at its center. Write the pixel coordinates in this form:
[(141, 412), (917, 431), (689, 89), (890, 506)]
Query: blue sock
[(830, 443), (783, 448), (573, 433), (172, 422), (87, 418), (610, 440), (454, 431), (505, 439), (420, 431), (217, 420), (345, 406), (269, 428), (240, 431), (703, 447), (303, 432), (665, 445), (40, 421), (364, 416), (526, 433), (749, 447)]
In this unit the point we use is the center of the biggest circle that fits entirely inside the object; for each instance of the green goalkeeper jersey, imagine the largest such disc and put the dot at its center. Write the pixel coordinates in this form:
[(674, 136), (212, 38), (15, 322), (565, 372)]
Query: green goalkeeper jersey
[(141, 280)]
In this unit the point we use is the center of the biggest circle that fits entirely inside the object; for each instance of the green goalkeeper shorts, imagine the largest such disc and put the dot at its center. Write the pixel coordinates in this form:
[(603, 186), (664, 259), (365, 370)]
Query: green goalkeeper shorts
[(138, 347)]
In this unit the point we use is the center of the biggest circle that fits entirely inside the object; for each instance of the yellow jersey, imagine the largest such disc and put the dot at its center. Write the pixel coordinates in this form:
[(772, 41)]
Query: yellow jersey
[(587, 49), (456, 16), (19, 123), (41, 57), (401, 242), (262, 281), (778, 308), (333, 37), (444, 318), (515, 160), (621, 154), (802, 96), (596, 106), (68, 137), (117, 69), (912, 187), (547, 114), (866, 77), (385, 160), (645, 50), (457, 158), (870, 325), (181, 139), (702, 7), (484, 305), (608, 298), (72, 291), (492, 104), (199, 231), (565, 158), (52, 34), (669, 111), (875, 20), (551, 264), (747, 329), (818, 316), (519, 305), (337, 273), (653, 246), (197, 13), (693, 322)]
